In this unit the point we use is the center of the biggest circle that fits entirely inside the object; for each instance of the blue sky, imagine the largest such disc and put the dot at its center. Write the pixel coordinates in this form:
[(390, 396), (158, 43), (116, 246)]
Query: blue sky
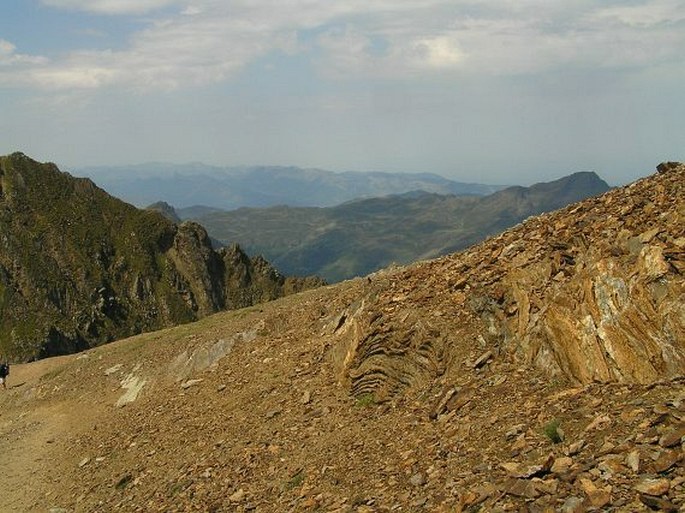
[(501, 91)]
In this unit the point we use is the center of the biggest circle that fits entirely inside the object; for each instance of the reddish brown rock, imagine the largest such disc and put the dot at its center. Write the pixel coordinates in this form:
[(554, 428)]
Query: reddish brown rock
[(667, 460), (658, 503), (673, 436), (653, 486)]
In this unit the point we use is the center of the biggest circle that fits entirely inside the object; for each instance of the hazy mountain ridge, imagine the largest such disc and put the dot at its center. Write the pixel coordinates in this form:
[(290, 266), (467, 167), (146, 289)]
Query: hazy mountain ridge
[(540, 370), (261, 186), (79, 267), (359, 237)]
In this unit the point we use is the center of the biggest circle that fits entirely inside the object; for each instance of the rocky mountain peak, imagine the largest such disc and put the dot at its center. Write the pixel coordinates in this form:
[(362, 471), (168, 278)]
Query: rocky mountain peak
[(79, 268), (166, 210)]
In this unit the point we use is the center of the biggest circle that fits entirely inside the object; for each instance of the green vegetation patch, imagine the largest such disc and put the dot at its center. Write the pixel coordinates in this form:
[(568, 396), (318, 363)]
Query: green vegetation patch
[(296, 480), (365, 400), (553, 431)]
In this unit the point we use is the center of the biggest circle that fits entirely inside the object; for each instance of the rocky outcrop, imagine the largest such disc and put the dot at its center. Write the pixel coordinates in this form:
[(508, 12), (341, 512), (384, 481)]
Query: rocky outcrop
[(199, 267), (79, 268), (166, 210), (591, 293), (380, 351), (596, 292)]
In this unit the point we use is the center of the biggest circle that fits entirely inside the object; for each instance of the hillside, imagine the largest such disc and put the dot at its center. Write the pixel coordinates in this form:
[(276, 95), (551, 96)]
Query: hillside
[(189, 185), (166, 210), (79, 268), (363, 236), (541, 370)]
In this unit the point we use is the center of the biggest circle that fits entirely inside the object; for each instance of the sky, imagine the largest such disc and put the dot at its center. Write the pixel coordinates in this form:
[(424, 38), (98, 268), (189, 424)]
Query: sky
[(498, 91)]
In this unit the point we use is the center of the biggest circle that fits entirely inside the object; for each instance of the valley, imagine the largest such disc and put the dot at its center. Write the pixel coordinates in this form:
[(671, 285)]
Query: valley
[(363, 236)]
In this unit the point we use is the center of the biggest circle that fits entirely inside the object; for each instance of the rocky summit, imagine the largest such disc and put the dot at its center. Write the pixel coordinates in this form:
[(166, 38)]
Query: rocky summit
[(542, 370), (79, 267)]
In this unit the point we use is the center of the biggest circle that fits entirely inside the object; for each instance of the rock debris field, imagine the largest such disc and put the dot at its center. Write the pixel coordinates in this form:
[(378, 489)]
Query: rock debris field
[(542, 371)]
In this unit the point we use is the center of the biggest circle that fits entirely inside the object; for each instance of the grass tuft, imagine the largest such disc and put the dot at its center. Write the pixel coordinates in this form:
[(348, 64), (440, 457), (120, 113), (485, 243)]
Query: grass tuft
[(553, 431), (365, 400)]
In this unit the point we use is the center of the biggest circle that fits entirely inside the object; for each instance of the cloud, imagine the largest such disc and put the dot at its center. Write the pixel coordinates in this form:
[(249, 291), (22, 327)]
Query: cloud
[(84, 73), (191, 10), (440, 52), (350, 53), (209, 41), (10, 57), (645, 15), (117, 7)]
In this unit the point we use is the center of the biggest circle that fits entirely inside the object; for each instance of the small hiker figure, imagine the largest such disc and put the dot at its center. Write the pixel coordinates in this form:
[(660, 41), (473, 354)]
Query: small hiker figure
[(4, 372)]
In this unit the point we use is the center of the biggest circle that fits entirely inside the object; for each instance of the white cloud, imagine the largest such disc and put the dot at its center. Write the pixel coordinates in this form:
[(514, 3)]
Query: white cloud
[(439, 52), (77, 76), (645, 15), (212, 40), (111, 6), (191, 10), (10, 57), (351, 53)]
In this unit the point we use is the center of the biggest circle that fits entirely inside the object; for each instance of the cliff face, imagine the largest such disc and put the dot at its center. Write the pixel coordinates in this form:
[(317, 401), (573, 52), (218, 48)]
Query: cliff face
[(592, 292), (596, 292), (79, 267)]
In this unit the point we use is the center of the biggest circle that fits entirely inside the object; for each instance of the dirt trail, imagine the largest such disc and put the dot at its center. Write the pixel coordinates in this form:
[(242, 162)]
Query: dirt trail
[(31, 438)]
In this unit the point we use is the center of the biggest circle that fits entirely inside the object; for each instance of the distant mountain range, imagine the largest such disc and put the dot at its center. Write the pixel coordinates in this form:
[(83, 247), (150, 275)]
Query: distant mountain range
[(262, 186), (359, 237), (79, 268)]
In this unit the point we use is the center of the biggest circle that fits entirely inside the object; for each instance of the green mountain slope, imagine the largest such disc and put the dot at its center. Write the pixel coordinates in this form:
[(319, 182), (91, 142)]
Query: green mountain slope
[(360, 237), (79, 267)]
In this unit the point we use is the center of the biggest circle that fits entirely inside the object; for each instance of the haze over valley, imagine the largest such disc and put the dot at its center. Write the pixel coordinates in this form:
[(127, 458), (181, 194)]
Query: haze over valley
[(359, 237), (199, 185)]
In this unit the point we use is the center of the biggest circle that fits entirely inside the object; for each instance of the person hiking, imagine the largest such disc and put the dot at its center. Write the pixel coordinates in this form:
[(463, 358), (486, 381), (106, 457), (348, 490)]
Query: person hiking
[(4, 372)]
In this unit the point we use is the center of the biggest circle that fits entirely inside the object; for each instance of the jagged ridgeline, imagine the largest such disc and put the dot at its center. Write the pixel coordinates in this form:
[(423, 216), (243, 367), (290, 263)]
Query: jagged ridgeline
[(79, 267)]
